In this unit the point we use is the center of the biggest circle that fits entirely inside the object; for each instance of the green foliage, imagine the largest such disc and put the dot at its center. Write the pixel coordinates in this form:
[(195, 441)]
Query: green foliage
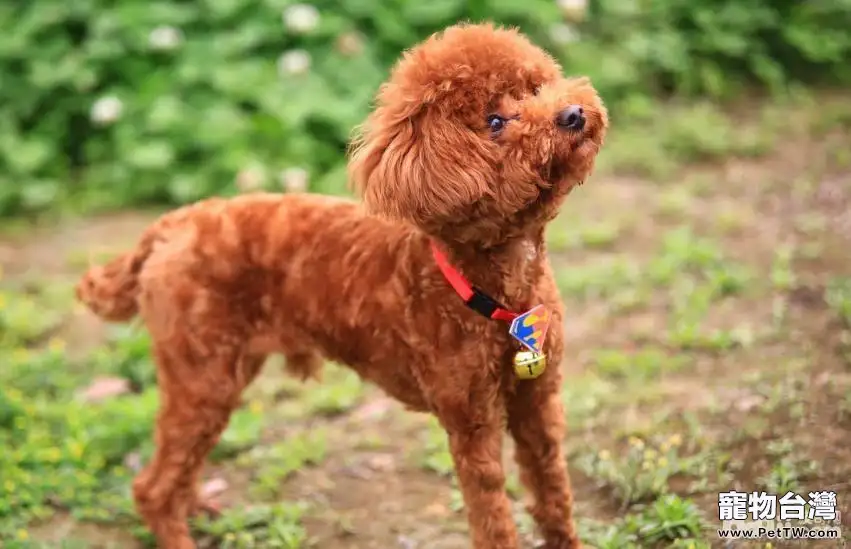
[(274, 526), (838, 297), (271, 465), (61, 453), (670, 521), (639, 365), (642, 471), (436, 455), (670, 518), (58, 450), (115, 103), (341, 391), (712, 46), (244, 430)]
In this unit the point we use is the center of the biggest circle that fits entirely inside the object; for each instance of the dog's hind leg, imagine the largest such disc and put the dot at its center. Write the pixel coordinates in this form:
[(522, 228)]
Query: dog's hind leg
[(197, 398), (536, 422)]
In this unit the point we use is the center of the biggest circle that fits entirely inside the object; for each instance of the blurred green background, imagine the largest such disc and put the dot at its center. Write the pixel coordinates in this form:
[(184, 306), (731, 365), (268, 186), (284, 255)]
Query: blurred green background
[(108, 103)]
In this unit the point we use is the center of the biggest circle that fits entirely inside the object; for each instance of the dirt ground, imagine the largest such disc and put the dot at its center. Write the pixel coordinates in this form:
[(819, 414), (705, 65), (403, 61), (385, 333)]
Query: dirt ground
[(697, 325)]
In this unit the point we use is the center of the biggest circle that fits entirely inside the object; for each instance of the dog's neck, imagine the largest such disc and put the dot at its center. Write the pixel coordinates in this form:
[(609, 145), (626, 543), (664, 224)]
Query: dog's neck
[(507, 272)]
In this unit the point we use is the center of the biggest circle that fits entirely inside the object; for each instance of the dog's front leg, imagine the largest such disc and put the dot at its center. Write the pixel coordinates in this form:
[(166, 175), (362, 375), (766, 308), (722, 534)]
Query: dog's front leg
[(537, 424), (476, 444)]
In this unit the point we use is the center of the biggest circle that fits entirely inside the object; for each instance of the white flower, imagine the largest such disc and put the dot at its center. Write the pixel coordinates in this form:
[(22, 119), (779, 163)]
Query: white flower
[(563, 34), (165, 38), (250, 179), (294, 180), (573, 4), (106, 110), (573, 10), (294, 62), (301, 18)]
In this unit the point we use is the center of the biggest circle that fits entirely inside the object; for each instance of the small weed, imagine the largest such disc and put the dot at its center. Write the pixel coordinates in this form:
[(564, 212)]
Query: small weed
[(83, 259), (845, 407), (269, 526), (730, 220), (525, 523), (832, 115), (779, 448), (779, 312), (682, 253), (339, 392), (838, 298), (686, 249), (643, 365), (40, 373), (641, 472), (583, 396), (691, 336), (691, 543), (673, 203), (782, 276), (436, 456), (668, 519), (243, 431), (273, 464), (812, 223), (786, 475), (456, 498), (591, 235), (629, 151), (25, 318), (599, 235), (784, 394), (127, 353), (24, 543), (630, 298), (599, 279), (513, 486), (606, 535)]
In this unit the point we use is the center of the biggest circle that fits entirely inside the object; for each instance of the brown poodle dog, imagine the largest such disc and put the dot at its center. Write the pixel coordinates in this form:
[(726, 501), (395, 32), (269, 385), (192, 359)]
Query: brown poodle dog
[(475, 141)]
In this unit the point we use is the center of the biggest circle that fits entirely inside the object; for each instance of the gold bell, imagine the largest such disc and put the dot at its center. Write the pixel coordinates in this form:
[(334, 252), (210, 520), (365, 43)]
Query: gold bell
[(529, 365)]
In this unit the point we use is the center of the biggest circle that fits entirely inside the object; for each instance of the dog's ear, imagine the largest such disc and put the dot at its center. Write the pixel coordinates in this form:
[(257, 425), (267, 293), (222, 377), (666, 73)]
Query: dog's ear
[(420, 165)]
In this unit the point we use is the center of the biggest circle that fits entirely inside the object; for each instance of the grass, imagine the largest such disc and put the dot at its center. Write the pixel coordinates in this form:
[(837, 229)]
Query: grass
[(275, 526), (271, 465), (708, 343)]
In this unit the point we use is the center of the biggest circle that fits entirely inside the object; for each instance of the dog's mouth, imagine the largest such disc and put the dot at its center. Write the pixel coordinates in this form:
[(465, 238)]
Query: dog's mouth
[(577, 140), (554, 172)]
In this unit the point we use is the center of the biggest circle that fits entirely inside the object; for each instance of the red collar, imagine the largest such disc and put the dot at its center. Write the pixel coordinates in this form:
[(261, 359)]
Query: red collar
[(473, 298)]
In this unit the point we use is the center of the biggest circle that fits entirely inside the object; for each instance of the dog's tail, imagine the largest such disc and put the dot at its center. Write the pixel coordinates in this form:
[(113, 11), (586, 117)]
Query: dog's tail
[(110, 290)]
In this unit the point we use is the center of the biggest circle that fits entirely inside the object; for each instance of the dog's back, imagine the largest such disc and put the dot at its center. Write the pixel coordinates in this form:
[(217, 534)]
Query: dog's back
[(308, 276)]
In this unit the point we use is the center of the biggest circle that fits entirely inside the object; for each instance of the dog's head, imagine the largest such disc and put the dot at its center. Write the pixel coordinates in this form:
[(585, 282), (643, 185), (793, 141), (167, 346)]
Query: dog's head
[(477, 136)]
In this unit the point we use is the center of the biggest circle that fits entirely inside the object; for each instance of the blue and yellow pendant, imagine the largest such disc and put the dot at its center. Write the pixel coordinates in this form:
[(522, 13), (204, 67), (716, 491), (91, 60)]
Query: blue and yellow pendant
[(530, 329)]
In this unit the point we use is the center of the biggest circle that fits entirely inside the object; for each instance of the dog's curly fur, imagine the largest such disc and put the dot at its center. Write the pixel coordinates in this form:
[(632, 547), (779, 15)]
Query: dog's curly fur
[(221, 284)]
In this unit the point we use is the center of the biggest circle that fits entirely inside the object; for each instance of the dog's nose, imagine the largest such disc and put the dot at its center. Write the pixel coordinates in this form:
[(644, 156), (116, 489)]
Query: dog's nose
[(571, 118)]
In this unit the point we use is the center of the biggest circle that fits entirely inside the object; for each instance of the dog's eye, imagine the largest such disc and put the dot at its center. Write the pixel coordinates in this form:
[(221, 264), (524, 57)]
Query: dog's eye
[(496, 123)]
